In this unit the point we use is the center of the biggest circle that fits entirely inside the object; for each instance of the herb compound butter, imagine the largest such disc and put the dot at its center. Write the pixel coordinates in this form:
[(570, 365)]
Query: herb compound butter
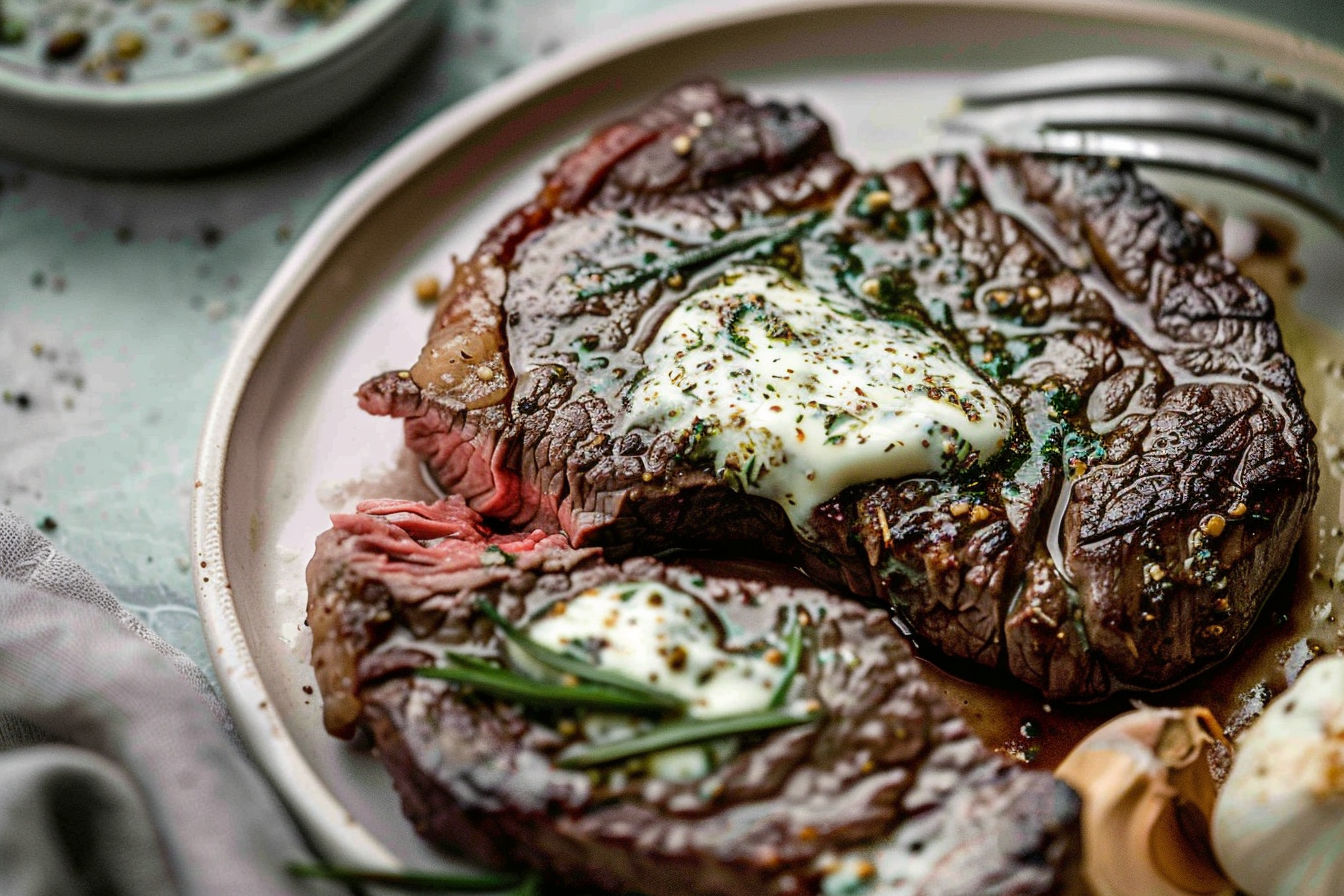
[(664, 637), (659, 635), (796, 397)]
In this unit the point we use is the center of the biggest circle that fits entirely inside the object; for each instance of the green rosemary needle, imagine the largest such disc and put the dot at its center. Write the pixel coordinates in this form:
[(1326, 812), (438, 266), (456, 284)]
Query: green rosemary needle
[(415, 881), (679, 734), (581, 669), (510, 685), (704, 254), (792, 657)]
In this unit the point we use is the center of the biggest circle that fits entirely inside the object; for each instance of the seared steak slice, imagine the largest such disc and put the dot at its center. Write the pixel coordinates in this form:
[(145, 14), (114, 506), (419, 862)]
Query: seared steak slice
[(886, 786), (1160, 465)]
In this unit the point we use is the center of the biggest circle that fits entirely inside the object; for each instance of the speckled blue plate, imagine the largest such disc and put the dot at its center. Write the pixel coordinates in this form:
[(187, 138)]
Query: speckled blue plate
[(210, 115)]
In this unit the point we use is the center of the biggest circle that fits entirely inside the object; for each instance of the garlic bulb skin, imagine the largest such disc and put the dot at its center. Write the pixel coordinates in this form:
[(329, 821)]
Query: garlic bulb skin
[(1278, 822), (1147, 792)]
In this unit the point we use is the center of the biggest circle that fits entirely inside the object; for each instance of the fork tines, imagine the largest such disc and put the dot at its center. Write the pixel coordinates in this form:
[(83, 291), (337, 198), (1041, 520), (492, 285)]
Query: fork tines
[(1275, 134)]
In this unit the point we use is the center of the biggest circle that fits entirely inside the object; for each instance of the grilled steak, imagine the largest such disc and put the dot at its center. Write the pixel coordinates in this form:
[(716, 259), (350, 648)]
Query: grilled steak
[(883, 786), (1143, 464)]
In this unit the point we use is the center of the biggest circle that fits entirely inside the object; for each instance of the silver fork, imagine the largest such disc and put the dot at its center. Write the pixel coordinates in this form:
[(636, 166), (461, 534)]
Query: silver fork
[(1274, 134)]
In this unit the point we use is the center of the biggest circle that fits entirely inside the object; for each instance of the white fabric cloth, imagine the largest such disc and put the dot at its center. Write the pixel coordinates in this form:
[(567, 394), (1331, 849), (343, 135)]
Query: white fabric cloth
[(119, 769)]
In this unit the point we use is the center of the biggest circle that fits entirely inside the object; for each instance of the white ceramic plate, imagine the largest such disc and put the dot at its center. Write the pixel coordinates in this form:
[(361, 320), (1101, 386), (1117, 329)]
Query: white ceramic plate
[(284, 443), (217, 116)]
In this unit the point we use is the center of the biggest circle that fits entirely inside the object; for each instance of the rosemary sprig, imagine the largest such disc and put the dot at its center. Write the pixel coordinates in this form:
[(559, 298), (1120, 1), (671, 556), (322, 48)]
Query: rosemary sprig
[(471, 661), (510, 685), (704, 254), (420, 881), (580, 668), (792, 657), (680, 734)]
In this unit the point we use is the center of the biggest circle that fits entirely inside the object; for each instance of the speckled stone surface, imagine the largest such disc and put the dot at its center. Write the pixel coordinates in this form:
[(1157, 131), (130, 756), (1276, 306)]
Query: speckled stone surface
[(119, 299)]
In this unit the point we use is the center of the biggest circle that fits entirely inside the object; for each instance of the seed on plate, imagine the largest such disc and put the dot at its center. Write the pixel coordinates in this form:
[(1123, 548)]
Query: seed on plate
[(427, 289), (212, 22), (1237, 510), (484, 373), (703, 119), (127, 45), (960, 508), (239, 51), (66, 45), (1212, 525), (681, 145), (979, 513)]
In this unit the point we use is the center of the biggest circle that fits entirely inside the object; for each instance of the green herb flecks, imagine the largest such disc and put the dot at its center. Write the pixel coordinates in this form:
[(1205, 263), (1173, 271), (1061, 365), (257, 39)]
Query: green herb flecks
[(872, 203), (680, 734), (966, 195), (567, 664), (697, 446), (12, 31), (999, 358), (919, 220), (494, 555), (835, 421), (1065, 400), (893, 295), (420, 881)]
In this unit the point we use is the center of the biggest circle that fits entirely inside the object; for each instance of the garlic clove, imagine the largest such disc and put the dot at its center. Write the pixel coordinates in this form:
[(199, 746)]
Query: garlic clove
[(1147, 793), (1278, 823)]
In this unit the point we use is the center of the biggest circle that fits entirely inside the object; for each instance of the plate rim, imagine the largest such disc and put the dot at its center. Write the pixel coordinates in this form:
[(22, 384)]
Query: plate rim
[(319, 813)]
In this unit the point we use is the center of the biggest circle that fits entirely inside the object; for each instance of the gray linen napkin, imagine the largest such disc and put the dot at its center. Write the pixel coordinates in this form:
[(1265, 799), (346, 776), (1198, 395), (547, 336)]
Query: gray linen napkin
[(119, 769)]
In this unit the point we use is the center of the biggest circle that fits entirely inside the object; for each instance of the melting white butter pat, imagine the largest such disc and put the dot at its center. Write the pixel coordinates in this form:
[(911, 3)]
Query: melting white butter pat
[(658, 635), (795, 397)]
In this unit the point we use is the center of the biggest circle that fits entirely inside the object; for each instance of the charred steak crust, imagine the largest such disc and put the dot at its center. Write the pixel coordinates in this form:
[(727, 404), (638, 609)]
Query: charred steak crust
[(890, 783), (1161, 466)]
